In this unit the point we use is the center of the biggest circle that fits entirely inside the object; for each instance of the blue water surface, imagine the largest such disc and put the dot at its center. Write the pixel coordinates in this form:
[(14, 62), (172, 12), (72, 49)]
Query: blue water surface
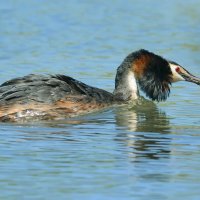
[(140, 152)]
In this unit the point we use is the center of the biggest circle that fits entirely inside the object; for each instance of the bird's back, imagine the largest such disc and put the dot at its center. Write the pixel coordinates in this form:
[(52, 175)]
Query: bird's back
[(49, 97)]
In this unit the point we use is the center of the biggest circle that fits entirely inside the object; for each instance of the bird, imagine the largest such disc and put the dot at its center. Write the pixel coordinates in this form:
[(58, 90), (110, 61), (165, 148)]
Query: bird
[(37, 97)]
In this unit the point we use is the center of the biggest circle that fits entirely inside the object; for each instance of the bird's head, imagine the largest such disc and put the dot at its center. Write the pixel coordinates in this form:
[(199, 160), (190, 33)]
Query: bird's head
[(155, 74)]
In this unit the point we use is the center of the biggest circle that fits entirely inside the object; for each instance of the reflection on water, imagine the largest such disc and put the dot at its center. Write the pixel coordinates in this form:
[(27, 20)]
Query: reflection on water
[(143, 116), (148, 127), (106, 151)]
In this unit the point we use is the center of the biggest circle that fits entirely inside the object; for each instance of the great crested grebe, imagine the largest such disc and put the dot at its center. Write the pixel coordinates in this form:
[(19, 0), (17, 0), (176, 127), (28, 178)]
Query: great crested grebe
[(40, 97)]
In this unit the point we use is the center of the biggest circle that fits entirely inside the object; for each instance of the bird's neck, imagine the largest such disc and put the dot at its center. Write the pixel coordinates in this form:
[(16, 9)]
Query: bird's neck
[(125, 83)]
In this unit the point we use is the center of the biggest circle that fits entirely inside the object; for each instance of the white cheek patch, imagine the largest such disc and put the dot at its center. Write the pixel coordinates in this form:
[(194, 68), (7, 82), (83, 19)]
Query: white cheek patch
[(175, 75)]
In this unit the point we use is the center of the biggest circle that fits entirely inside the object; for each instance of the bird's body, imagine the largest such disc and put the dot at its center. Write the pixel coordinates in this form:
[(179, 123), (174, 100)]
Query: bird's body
[(40, 97), (47, 97)]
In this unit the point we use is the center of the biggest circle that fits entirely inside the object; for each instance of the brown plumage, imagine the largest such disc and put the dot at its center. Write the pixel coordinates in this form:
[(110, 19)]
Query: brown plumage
[(50, 97)]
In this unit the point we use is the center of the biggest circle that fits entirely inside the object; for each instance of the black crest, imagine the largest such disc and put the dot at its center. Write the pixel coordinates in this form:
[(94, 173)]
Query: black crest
[(156, 79)]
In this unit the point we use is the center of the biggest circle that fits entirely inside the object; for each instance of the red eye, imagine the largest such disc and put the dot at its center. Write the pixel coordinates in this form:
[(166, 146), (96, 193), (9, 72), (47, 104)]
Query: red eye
[(178, 69)]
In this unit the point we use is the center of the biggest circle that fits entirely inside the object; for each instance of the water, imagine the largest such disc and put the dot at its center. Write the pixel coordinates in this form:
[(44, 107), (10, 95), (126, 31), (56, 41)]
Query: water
[(140, 152)]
